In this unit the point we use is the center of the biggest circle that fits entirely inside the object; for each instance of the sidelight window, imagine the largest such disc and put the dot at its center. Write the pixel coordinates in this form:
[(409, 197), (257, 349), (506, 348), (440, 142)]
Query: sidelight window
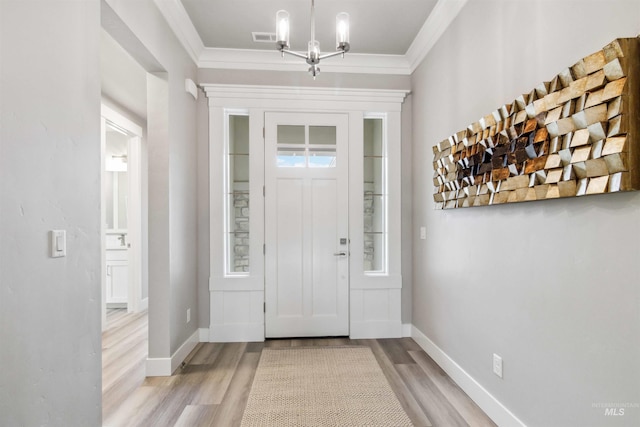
[(375, 196), (237, 196)]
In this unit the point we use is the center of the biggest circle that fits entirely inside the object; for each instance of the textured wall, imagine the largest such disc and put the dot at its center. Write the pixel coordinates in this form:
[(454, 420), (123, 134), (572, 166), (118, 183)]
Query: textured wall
[(50, 346)]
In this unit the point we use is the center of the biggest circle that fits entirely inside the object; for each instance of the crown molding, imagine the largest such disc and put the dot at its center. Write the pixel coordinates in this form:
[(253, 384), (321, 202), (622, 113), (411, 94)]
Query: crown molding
[(288, 92), (220, 92), (443, 13), (178, 19), (249, 59)]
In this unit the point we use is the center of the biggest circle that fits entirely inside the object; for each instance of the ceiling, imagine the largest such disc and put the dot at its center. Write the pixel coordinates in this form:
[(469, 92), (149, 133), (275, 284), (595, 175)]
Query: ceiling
[(386, 36), (377, 26)]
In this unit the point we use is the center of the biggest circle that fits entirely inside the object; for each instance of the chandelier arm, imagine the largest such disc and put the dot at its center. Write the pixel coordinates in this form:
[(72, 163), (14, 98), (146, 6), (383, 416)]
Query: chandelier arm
[(329, 55), (293, 53)]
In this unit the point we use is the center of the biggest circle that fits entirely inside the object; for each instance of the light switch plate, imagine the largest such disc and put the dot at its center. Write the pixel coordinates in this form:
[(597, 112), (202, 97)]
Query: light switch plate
[(58, 243), (423, 233)]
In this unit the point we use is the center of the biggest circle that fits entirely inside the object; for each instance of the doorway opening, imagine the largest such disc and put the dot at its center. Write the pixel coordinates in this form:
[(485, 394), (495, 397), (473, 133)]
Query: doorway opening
[(121, 212)]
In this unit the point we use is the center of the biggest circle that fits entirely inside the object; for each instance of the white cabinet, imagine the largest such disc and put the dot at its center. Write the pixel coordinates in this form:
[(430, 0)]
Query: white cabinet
[(117, 279)]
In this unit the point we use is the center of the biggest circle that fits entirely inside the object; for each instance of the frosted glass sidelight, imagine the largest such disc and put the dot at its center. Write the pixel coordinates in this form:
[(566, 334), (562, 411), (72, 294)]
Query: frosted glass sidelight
[(375, 197), (237, 196)]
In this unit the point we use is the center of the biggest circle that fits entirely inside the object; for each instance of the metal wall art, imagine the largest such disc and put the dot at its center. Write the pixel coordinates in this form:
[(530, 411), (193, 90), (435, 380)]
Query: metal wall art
[(575, 135)]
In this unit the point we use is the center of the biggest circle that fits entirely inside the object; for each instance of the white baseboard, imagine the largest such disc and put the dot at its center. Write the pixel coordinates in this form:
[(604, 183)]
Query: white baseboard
[(203, 334), (237, 332), (375, 329), (165, 366), (489, 404), (144, 304), (406, 330), (158, 367)]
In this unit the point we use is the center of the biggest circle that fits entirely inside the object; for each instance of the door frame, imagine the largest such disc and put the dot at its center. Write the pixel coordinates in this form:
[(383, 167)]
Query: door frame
[(135, 302), (237, 303)]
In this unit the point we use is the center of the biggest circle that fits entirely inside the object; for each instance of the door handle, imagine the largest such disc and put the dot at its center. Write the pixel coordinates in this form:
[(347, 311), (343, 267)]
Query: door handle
[(340, 254)]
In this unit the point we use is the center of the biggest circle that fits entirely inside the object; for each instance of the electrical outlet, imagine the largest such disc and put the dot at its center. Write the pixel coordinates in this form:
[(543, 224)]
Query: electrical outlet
[(497, 365), (188, 315), (423, 233)]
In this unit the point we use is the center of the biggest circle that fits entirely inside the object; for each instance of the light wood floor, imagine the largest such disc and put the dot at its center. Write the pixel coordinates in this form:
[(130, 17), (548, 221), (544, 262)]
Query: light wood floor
[(124, 352), (212, 388)]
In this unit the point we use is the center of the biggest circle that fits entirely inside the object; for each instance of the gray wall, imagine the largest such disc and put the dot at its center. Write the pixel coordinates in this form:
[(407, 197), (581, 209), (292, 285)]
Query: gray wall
[(299, 78), (171, 127), (50, 347), (203, 211), (551, 286), (122, 79), (407, 211)]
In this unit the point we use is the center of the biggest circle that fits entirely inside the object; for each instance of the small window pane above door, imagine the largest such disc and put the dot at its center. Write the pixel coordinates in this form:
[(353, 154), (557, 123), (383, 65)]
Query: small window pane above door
[(322, 158), (292, 158), (290, 134), (322, 135)]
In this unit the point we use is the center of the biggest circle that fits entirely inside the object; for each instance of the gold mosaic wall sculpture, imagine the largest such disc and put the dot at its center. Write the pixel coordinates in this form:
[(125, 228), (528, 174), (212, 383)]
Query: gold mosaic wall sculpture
[(575, 135)]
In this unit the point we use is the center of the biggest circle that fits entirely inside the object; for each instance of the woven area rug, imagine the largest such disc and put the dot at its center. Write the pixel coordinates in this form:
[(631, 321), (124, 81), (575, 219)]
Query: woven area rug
[(321, 386)]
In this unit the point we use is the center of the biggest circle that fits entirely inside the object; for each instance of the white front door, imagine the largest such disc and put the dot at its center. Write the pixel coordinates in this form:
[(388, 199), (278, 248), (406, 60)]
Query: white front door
[(306, 225)]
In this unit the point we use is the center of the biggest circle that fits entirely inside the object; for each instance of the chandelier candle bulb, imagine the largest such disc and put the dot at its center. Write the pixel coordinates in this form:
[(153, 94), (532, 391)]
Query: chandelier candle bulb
[(282, 29), (314, 52), (342, 31)]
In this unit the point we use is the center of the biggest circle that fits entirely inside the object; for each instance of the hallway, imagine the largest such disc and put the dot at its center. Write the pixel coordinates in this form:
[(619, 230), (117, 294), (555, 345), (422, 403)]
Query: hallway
[(213, 386)]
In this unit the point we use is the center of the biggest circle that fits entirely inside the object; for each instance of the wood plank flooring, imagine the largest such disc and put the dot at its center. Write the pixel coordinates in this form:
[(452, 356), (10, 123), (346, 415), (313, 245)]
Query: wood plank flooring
[(213, 387), (124, 352)]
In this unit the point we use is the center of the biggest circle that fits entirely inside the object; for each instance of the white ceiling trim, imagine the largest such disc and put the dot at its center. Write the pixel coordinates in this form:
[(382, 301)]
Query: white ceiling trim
[(179, 21), (246, 59), (437, 22), (443, 13), (220, 94)]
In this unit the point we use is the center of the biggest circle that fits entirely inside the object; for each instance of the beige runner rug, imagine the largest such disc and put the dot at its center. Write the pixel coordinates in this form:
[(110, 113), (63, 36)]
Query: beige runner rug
[(321, 386)]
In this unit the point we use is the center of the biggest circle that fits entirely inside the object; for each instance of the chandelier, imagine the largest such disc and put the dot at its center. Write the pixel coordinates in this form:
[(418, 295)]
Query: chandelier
[(313, 56)]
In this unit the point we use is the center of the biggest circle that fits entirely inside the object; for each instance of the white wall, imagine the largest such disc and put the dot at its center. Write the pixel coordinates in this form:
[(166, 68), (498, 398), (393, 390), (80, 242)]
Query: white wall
[(171, 127), (552, 286), (50, 348)]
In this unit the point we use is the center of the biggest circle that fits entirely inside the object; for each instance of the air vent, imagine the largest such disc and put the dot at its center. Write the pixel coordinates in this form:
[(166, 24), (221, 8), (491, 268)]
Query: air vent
[(264, 37)]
